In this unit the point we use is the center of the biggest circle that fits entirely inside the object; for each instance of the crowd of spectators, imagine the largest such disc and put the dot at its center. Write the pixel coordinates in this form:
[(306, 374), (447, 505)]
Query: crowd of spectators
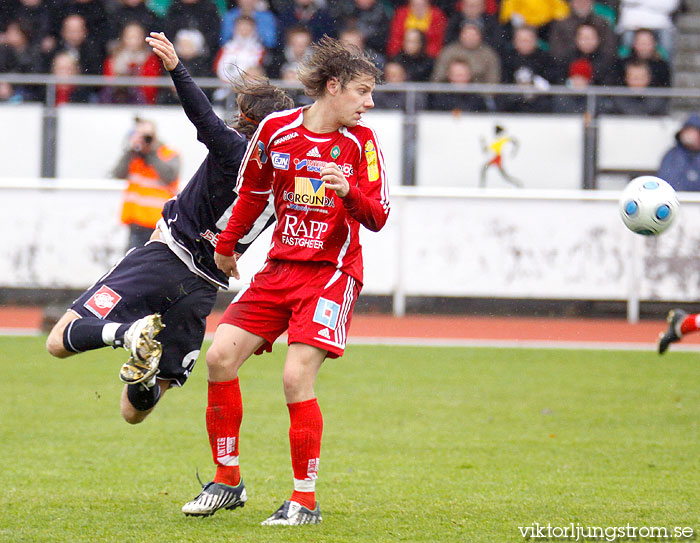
[(530, 43)]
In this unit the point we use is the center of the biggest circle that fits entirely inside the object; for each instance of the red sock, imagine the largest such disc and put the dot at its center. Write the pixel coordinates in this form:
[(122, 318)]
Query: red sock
[(306, 427), (689, 324), (224, 414)]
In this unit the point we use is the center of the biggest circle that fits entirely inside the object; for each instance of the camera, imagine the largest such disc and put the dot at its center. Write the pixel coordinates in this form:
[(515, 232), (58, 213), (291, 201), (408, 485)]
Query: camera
[(148, 139)]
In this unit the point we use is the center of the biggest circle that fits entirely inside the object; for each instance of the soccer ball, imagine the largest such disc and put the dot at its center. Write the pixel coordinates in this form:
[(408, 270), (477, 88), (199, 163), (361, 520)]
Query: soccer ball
[(648, 205)]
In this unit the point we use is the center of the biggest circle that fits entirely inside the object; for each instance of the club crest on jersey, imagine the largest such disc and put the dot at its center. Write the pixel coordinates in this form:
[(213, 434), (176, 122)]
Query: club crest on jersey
[(371, 156), (335, 152), (311, 165), (102, 302), (280, 161), (309, 191), (326, 313)]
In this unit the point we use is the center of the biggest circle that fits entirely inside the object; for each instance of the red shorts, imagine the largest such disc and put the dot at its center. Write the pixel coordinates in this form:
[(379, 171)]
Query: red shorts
[(313, 301), (496, 160)]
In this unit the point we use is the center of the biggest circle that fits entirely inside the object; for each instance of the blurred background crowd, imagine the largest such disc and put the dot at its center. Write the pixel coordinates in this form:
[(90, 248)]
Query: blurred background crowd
[(532, 43)]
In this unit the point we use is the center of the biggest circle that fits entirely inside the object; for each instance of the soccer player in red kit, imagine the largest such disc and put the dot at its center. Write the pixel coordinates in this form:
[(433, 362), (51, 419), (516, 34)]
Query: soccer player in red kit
[(324, 169)]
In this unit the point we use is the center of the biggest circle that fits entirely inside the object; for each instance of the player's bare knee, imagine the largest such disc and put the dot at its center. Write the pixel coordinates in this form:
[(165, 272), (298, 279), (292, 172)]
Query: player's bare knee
[(129, 413), (292, 382), (54, 344), (133, 416), (218, 360), (138, 401)]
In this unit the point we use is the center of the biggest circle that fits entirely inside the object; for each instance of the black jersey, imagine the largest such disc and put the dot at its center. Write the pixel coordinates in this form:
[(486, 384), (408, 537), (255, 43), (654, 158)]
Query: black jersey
[(193, 219)]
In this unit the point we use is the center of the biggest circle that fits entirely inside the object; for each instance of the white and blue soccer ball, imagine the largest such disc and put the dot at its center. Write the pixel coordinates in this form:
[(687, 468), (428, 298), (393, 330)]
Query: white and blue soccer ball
[(648, 205)]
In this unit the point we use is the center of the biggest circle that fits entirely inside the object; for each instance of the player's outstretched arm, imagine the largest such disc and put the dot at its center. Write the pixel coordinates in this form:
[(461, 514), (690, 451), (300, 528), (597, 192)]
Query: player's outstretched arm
[(211, 130)]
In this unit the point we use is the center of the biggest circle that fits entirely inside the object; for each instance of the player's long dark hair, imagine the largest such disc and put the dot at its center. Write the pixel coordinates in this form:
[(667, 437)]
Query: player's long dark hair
[(256, 99), (329, 59)]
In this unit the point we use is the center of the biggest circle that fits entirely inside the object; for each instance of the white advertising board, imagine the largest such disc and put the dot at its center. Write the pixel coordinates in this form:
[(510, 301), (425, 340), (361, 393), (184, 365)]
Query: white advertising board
[(91, 140), (538, 151), (20, 140), (634, 143), (389, 126)]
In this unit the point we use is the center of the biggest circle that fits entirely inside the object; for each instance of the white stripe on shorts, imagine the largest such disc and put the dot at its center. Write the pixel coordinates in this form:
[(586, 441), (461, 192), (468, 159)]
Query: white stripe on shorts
[(340, 330)]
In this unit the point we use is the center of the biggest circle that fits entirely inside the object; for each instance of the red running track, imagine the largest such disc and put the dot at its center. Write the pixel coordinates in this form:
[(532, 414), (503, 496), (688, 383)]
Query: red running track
[(448, 329)]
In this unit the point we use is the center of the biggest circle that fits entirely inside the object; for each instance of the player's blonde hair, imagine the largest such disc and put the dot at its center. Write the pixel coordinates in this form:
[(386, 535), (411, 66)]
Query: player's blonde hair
[(328, 60)]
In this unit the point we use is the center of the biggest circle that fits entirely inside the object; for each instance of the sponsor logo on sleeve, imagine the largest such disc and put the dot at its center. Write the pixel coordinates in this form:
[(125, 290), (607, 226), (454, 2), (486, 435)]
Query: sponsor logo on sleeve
[(372, 165), (259, 154), (102, 302), (280, 161), (262, 152)]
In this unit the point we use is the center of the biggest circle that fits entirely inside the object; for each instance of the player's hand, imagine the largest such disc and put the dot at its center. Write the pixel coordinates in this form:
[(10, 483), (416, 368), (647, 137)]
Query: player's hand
[(164, 49), (334, 179), (227, 264)]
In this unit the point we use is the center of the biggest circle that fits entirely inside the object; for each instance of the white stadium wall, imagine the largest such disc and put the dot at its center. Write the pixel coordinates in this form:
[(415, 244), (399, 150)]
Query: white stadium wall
[(468, 242)]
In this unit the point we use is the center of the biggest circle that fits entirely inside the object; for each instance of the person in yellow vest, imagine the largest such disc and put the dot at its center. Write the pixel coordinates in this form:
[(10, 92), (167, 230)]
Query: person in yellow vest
[(152, 171)]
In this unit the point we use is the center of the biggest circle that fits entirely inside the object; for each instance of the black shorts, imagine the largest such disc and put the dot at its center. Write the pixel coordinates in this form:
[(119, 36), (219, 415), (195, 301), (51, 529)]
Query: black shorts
[(152, 279)]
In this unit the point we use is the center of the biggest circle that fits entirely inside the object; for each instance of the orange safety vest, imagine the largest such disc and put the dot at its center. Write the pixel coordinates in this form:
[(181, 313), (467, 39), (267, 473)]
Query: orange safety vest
[(145, 195)]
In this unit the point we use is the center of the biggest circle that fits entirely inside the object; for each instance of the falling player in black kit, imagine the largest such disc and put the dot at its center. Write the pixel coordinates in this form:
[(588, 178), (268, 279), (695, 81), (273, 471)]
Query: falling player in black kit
[(168, 286)]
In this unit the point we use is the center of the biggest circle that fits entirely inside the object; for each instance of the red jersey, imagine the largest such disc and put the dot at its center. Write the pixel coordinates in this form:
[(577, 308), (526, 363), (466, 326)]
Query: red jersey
[(284, 160)]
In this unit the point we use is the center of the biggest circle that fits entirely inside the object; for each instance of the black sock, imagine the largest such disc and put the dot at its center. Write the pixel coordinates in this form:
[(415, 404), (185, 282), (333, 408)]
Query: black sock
[(119, 335), (142, 397), (86, 334)]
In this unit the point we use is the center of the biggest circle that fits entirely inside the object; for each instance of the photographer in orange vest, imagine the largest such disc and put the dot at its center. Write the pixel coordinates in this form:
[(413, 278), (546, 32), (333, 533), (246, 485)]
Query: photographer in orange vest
[(152, 170)]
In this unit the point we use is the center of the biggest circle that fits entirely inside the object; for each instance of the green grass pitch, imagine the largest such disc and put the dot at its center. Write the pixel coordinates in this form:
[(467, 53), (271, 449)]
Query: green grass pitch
[(419, 445)]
